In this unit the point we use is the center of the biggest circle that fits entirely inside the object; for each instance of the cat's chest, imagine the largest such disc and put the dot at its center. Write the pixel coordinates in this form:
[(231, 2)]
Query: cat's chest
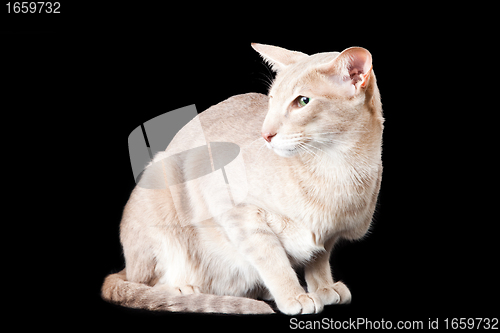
[(324, 207), (339, 186), (305, 235)]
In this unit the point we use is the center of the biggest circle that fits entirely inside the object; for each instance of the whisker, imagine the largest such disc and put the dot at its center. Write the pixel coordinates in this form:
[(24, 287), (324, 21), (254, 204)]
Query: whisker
[(346, 132), (293, 140), (269, 78), (319, 149), (303, 149), (327, 140), (253, 142), (259, 151), (292, 135), (302, 145)]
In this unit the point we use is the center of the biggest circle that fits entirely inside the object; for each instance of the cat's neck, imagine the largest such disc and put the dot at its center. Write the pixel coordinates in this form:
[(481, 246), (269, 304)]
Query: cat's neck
[(341, 160)]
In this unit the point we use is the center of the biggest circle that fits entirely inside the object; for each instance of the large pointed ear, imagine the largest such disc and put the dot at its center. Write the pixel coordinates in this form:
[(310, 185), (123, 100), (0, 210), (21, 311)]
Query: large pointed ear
[(277, 57), (352, 67)]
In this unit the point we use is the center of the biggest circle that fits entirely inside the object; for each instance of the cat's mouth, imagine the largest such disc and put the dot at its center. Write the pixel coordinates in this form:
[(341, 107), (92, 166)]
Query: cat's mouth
[(286, 152), (286, 145), (283, 151)]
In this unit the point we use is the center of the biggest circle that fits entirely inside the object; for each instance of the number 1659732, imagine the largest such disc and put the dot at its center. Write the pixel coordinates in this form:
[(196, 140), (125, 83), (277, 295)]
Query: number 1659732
[(33, 7)]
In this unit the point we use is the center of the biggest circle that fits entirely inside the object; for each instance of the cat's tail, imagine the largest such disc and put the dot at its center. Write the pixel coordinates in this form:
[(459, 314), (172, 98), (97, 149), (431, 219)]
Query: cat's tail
[(116, 289)]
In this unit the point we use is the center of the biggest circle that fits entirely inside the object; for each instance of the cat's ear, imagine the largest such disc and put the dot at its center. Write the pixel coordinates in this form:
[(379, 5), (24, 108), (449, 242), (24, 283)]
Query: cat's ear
[(351, 68), (277, 57)]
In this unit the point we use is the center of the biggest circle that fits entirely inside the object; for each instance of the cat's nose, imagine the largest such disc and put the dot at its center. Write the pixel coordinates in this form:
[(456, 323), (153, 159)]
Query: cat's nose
[(268, 136)]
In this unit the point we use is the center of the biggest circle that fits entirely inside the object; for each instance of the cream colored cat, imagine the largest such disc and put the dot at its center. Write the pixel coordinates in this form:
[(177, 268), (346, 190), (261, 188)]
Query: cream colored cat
[(315, 183)]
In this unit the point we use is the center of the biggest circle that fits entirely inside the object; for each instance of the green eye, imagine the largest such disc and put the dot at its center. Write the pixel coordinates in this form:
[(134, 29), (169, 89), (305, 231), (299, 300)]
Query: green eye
[(303, 101)]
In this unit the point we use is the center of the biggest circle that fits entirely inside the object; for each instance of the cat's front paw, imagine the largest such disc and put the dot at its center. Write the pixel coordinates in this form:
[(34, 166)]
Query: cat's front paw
[(338, 293), (301, 304)]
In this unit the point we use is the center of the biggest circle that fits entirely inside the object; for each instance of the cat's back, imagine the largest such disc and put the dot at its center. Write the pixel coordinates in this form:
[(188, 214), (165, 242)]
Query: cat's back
[(238, 119)]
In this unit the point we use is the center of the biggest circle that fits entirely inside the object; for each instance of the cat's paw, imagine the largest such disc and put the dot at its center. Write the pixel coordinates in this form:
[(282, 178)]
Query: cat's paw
[(338, 293), (301, 304)]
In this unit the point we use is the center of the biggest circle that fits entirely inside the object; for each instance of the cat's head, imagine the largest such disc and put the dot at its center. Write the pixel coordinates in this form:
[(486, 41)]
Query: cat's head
[(318, 102)]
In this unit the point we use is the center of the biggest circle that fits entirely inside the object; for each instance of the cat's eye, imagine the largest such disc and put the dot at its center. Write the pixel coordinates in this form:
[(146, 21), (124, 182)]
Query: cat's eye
[(303, 101)]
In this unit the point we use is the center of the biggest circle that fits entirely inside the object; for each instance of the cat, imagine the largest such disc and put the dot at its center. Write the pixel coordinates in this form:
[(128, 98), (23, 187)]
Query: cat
[(312, 168)]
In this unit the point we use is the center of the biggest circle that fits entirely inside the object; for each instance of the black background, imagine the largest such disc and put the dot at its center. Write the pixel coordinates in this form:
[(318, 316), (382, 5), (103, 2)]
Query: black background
[(75, 85)]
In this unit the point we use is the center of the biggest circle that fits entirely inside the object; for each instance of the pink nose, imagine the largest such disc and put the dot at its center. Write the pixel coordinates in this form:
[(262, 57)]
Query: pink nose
[(268, 136)]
